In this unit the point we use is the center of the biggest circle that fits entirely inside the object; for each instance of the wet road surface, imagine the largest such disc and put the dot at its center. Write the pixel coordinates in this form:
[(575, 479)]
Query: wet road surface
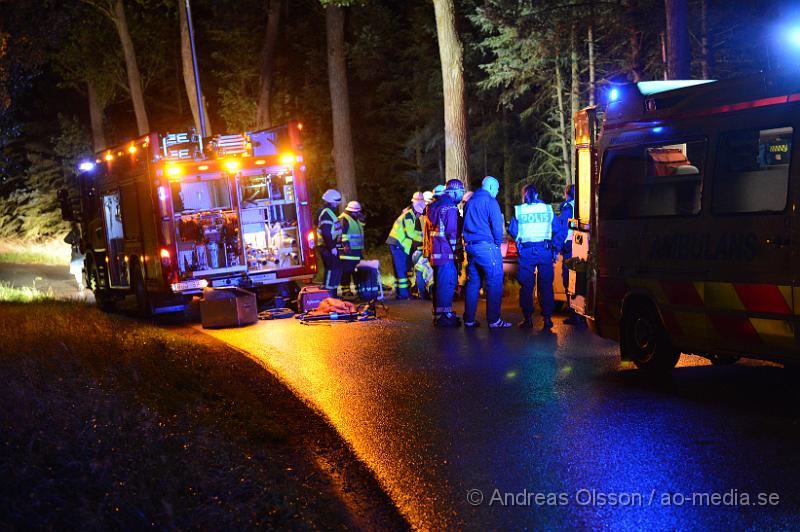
[(506, 429)]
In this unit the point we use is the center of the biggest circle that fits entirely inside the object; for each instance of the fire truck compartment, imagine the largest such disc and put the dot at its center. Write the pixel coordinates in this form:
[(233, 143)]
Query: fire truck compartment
[(270, 221), (207, 228)]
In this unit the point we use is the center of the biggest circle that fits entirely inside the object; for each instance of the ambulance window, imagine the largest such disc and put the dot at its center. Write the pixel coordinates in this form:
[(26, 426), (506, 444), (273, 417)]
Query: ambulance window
[(653, 181), (620, 167), (673, 183), (752, 172)]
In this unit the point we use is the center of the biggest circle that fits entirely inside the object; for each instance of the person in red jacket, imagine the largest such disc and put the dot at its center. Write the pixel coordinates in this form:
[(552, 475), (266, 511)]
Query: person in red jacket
[(443, 238)]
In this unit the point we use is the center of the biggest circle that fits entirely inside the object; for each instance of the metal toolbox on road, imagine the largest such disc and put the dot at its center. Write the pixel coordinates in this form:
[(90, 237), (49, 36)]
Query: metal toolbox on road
[(228, 307)]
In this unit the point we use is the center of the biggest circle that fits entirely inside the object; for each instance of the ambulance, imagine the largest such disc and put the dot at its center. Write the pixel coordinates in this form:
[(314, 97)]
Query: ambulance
[(166, 215), (686, 221)]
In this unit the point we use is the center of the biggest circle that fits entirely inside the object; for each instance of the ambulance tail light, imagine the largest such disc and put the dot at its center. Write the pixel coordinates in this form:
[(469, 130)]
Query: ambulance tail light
[(310, 239), (585, 132), (583, 185)]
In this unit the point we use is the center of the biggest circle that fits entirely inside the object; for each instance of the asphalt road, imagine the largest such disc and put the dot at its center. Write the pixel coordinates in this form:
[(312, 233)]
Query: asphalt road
[(509, 429)]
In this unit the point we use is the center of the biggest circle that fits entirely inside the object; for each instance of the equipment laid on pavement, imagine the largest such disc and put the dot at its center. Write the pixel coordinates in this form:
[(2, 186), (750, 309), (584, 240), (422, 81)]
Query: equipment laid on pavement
[(310, 297), (337, 310), (228, 307), (276, 314), (368, 280)]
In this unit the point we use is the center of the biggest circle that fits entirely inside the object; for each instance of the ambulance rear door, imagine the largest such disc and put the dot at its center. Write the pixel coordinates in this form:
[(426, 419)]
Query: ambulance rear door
[(749, 240)]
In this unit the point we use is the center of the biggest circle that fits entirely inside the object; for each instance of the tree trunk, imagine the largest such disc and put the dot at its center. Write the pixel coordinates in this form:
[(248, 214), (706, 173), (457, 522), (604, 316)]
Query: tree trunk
[(179, 85), (679, 60), (134, 77), (561, 126), (574, 94), (451, 54), (592, 79), (188, 68), (635, 39), (705, 42), (508, 161), (340, 105), (95, 117), (418, 162), (263, 113)]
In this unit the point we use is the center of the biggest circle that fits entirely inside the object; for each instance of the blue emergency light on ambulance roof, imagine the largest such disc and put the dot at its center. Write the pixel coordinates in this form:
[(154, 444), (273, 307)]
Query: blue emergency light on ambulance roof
[(613, 95), (793, 36), (657, 129), (86, 166)]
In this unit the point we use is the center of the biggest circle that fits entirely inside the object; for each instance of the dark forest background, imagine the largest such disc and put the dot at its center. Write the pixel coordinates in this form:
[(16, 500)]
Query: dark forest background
[(529, 65)]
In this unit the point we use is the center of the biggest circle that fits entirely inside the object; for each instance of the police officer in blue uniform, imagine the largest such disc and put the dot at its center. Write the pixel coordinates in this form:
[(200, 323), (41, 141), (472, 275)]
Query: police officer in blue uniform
[(535, 229), (567, 211)]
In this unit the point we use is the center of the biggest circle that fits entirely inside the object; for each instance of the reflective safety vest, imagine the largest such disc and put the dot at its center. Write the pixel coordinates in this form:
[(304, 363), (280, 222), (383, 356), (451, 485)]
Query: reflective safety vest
[(535, 222), (571, 204), (406, 231), (424, 268), (352, 242), (442, 231), (327, 218)]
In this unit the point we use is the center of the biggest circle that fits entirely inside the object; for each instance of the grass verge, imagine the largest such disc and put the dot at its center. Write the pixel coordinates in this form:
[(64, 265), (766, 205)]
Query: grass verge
[(110, 423), (25, 294), (19, 252)]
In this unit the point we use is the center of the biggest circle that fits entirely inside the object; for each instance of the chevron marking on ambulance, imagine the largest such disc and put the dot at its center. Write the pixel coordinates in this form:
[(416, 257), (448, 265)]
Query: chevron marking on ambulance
[(693, 307)]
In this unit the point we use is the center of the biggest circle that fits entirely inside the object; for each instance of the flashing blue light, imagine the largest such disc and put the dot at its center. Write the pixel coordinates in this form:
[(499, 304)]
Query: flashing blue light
[(657, 129), (86, 166), (613, 95), (794, 36)]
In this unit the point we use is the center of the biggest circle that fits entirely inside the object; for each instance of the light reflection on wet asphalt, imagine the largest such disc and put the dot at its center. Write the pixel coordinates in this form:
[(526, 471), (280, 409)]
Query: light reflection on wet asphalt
[(444, 417)]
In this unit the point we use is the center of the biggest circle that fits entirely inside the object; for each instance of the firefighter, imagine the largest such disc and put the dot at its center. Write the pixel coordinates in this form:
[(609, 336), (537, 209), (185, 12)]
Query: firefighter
[(423, 275), (484, 230), (438, 190), (535, 228), (73, 238), (405, 238), (351, 244), (328, 232), (566, 211), (443, 233)]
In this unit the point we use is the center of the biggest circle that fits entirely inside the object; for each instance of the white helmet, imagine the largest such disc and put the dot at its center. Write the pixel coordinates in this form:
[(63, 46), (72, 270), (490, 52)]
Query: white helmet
[(332, 196), (353, 206), (418, 202), (428, 196)]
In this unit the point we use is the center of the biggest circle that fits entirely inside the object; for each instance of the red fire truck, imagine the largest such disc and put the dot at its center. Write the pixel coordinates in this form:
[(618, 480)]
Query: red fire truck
[(686, 226), (165, 216)]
